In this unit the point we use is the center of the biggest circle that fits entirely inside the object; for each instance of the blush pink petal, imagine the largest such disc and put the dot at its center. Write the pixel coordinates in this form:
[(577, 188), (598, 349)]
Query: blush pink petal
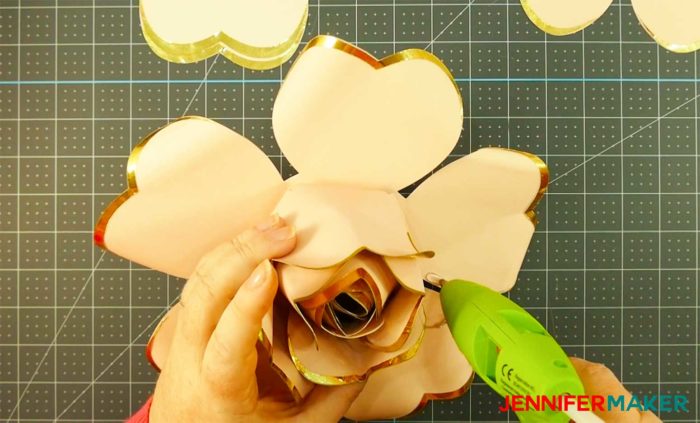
[(297, 283), (193, 184), (344, 117), (328, 360), (259, 34), (408, 272), (673, 24), (398, 319), (279, 358), (562, 17), (335, 222), (477, 215), (438, 371), (398, 308)]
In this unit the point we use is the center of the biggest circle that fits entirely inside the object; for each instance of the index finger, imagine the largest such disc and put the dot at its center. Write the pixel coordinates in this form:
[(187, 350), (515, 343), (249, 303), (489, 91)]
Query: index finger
[(221, 273)]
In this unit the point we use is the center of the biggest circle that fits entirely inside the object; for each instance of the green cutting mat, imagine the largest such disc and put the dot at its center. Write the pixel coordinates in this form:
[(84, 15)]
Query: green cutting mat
[(612, 269)]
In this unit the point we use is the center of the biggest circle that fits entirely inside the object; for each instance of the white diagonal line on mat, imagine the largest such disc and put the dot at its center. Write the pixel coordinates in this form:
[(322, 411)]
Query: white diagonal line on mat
[(156, 319), (640, 129), (118, 356), (88, 279), (461, 12)]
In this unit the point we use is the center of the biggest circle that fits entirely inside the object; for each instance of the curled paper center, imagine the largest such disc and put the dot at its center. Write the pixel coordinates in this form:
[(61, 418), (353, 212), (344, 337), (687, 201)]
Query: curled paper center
[(351, 304)]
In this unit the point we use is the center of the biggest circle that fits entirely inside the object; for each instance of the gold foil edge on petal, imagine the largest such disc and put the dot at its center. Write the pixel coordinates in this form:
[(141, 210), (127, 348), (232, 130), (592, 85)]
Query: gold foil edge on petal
[(252, 57), (544, 181), (331, 42), (267, 346), (404, 334), (550, 29), (330, 380), (326, 294), (426, 253), (669, 45), (318, 301), (132, 186)]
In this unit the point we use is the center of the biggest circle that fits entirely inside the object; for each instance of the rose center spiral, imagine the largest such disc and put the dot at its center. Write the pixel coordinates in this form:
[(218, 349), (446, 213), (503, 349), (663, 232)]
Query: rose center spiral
[(351, 303)]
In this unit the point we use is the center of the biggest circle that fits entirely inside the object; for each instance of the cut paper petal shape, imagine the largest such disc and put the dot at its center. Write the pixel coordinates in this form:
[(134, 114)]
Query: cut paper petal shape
[(562, 17), (193, 184), (477, 215), (334, 223), (408, 272), (358, 129), (298, 283), (438, 371), (278, 353), (673, 23), (260, 34), (387, 123), (351, 303), (327, 360), (392, 308), (398, 320)]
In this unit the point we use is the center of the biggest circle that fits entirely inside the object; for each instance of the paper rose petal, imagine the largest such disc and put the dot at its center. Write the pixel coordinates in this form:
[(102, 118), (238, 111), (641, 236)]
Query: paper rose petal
[(675, 24), (477, 215), (309, 289), (258, 34), (334, 223), (386, 124), (280, 360), (193, 184), (408, 272), (562, 17), (438, 371), (298, 282), (398, 321), (327, 360)]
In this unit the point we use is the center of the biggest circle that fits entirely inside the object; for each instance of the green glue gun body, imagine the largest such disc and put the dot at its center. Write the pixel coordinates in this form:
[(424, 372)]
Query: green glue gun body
[(510, 350)]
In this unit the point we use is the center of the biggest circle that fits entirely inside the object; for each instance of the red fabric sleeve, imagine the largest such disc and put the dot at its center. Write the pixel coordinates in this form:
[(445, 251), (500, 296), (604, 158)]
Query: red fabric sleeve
[(141, 416)]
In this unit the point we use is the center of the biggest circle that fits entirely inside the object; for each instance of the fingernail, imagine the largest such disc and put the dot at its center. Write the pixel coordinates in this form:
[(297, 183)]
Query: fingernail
[(260, 275), (269, 223), (281, 234)]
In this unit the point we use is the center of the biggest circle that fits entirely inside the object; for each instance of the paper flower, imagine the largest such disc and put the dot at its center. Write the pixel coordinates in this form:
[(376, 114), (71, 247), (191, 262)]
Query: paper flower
[(260, 34), (353, 306), (672, 23)]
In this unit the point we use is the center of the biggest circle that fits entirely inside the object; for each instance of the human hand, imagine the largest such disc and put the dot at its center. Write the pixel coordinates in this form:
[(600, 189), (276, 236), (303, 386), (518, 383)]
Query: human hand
[(209, 375), (599, 380)]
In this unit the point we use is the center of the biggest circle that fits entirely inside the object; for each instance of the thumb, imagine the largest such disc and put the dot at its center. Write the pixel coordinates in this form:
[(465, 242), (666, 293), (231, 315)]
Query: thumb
[(599, 380), (330, 403)]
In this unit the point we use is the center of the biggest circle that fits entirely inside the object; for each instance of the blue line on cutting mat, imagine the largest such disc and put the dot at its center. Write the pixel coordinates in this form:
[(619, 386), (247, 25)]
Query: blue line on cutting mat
[(268, 81)]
